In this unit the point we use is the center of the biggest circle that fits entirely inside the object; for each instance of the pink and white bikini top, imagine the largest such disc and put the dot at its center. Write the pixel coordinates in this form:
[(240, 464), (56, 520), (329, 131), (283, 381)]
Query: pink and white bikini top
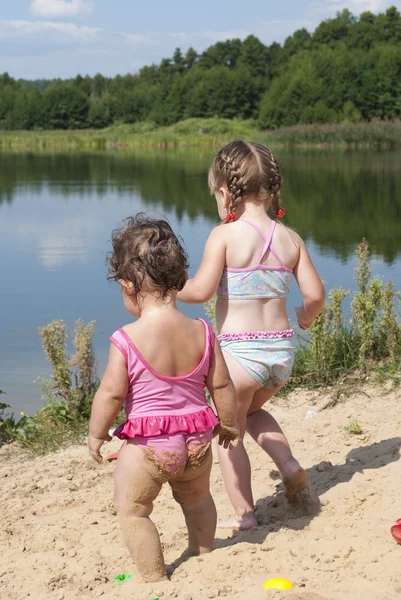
[(257, 281), (157, 404)]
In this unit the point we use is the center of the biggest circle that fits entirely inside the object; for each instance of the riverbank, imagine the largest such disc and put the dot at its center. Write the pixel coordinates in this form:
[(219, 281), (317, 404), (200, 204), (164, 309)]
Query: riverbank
[(61, 540), (206, 133)]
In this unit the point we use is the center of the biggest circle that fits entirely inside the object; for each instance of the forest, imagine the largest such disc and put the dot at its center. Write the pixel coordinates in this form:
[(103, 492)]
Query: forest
[(348, 70)]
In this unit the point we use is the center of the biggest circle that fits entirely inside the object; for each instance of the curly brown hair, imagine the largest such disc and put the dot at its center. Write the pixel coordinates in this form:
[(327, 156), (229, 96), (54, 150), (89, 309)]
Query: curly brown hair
[(147, 253), (246, 168)]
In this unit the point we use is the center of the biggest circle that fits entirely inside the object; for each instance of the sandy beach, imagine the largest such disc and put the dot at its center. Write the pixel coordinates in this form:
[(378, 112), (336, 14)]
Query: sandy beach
[(60, 538)]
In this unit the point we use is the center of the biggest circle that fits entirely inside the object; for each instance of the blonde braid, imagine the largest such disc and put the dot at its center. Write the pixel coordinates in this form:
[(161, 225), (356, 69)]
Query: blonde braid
[(235, 182), (275, 187), (274, 176)]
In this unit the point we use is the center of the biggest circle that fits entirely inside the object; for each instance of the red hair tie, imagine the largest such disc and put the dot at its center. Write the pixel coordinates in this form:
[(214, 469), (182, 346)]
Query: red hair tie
[(231, 216), (280, 213)]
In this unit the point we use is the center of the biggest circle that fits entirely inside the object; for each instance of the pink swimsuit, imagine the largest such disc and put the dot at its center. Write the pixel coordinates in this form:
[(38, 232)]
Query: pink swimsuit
[(168, 416)]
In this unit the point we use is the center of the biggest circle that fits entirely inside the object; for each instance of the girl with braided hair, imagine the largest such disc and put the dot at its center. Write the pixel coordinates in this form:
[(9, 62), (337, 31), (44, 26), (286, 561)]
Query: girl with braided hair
[(249, 260)]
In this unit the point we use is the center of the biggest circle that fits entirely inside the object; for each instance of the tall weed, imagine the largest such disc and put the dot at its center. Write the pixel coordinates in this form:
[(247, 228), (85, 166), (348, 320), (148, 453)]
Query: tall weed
[(339, 343), (67, 396)]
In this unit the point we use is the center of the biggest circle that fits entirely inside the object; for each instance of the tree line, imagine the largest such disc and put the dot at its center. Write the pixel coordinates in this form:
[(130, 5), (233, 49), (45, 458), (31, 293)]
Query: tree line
[(349, 70)]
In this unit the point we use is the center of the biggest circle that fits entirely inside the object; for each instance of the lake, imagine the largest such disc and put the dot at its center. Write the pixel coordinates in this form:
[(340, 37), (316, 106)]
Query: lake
[(57, 212)]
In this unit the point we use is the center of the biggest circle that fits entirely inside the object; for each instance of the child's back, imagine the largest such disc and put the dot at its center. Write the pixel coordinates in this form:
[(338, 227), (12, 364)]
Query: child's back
[(173, 345), (259, 269)]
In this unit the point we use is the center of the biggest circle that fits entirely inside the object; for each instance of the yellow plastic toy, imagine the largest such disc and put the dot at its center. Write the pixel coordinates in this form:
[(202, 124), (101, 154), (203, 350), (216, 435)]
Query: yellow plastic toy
[(278, 584)]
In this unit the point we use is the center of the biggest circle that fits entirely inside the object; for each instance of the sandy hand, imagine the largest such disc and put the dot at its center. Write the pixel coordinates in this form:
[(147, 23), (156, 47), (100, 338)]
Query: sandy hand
[(228, 435), (94, 445)]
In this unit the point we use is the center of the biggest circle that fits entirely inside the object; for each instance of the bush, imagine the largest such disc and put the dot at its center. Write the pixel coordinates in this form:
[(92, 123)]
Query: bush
[(337, 344), (67, 396)]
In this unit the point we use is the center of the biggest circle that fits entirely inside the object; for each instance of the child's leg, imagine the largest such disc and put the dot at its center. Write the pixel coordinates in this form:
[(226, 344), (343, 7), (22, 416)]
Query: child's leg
[(234, 462), (192, 491), (265, 430), (137, 485)]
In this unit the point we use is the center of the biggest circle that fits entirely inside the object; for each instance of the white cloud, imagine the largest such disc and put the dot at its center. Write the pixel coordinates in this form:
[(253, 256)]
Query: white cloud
[(69, 49), (60, 9), (275, 30), (356, 6), (46, 30), (140, 38)]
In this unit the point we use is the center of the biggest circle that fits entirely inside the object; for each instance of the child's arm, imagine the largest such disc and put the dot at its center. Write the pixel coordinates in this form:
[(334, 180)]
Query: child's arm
[(222, 391), (107, 402), (203, 286), (311, 287)]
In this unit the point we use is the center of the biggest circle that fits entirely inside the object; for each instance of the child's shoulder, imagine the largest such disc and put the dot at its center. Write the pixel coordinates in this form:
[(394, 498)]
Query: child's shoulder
[(129, 328), (224, 233), (219, 232), (289, 235)]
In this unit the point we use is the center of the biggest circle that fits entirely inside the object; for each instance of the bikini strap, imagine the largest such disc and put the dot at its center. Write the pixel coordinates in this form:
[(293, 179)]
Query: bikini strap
[(258, 229), (267, 240)]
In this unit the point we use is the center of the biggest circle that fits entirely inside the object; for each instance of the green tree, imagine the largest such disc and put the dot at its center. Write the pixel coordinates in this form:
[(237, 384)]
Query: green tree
[(100, 114), (64, 107), (99, 85), (178, 60), (191, 58)]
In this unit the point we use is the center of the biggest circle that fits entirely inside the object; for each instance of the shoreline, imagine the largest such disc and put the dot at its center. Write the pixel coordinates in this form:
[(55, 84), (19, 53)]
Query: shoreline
[(207, 134)]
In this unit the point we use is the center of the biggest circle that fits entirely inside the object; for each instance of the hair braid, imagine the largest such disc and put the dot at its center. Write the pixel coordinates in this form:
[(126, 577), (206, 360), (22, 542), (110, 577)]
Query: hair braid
[(245, 169), (275, 187), (235, 181), (273, 175)]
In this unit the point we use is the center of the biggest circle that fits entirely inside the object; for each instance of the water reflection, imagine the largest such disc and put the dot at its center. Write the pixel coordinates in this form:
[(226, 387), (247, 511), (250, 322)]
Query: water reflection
[(336, 200)]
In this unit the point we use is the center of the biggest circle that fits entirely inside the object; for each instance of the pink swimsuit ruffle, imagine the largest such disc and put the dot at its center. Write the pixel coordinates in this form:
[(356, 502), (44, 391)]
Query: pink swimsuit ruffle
[(146, 427), (256, 335)]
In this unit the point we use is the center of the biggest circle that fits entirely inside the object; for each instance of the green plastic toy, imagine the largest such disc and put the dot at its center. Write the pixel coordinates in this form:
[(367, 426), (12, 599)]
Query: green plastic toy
[(121, 578)]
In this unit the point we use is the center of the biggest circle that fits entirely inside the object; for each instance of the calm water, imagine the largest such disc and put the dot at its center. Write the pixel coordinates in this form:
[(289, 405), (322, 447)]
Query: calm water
[(57, 212)]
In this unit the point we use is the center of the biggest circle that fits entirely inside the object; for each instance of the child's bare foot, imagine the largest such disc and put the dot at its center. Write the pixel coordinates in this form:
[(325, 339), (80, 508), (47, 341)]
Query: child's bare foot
[(137, 580), (295, 484), (298, 496), (248, 521)]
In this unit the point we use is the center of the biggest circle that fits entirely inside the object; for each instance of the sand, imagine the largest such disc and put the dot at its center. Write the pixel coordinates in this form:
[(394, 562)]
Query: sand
[(60, 538)]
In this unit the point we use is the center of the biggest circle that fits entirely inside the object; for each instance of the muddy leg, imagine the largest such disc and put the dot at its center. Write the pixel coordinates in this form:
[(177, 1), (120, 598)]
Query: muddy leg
[(137, 484), (192, 491)]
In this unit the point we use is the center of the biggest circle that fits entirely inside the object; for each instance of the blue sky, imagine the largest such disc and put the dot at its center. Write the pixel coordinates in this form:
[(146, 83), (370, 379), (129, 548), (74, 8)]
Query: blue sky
[(61, 38)]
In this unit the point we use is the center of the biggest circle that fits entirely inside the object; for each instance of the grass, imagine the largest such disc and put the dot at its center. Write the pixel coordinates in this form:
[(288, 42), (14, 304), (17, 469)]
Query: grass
[(339, 347), (374, 134), (354, 428), (206, 133)]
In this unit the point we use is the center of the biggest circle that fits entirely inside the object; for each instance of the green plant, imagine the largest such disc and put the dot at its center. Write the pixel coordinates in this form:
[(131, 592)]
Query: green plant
[(86, 381), (210, 310), (76, 398), (12, 429), (365, 304), (354, 428), (54, 341), (64, 417), (389, 332)]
